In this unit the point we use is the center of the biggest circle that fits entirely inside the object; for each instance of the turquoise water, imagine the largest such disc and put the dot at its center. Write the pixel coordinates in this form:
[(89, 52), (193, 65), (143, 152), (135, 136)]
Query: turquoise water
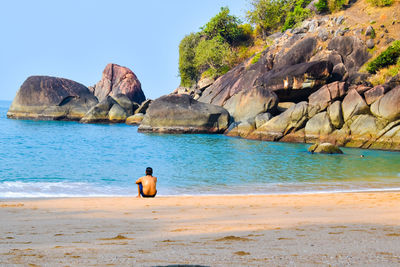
[(55, 159)]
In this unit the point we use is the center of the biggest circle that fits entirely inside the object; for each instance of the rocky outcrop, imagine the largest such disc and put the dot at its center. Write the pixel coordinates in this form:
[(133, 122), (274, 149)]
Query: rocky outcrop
[(182, 114), (51, 98), (118, 80), (325, 148)]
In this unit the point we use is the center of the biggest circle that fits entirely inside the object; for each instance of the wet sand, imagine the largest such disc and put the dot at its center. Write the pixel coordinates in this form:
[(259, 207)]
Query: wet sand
[(358, 229)]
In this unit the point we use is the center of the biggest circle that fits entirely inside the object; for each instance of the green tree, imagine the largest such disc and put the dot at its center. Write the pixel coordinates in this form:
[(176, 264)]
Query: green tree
[(187, 67), (297, 13), (212, 54), (225, 26), (268, 15)]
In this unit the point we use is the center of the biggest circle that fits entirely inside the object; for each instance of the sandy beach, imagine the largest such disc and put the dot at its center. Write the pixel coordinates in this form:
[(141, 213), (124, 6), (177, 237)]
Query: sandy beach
[(358, 229)]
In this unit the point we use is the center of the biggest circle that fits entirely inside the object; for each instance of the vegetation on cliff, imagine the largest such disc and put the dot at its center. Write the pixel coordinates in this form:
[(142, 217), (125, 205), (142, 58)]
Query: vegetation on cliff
[(225, 41)]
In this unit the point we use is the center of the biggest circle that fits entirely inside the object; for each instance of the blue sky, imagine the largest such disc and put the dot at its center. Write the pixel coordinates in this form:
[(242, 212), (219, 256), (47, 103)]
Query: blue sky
[(76, 39)]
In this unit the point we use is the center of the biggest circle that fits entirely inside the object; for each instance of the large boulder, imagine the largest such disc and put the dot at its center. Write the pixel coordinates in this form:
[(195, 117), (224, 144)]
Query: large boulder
[(335, 114), (289, 121), (119, 80), (388, 107), (375, 93), (182, 114), (353, 104), (318, 127), (248, 104), (51, 98), (321, 99), (352, 50), (299, 53)]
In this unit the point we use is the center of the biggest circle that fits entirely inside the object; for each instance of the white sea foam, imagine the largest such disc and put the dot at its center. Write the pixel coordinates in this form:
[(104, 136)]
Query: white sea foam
[(20, 189), (58, 189)]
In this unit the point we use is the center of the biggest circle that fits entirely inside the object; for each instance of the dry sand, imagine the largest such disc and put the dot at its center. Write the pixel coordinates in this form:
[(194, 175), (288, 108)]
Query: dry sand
[(358, 229)]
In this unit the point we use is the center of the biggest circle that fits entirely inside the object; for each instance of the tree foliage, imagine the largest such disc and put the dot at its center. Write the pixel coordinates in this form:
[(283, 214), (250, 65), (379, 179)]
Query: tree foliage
[(386, 58), (210, 50), (268, 15), (224, 26), (187, 66)]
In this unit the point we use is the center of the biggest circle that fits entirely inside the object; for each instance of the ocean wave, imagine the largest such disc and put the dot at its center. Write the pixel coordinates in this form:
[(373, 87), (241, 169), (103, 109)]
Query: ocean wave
[(20, 189)]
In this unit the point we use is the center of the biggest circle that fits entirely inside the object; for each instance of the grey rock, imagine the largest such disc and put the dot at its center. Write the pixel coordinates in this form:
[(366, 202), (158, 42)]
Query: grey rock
[(335, 114), (125, 103), (369, 31), (117, 113), (261, 119), (143, 107), (370, 43), (183, 114), (248, 104), (325, 148), (318, 127)]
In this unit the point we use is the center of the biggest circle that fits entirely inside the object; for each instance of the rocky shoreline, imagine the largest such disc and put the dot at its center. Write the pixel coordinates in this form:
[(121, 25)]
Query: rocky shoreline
[(305, 87)]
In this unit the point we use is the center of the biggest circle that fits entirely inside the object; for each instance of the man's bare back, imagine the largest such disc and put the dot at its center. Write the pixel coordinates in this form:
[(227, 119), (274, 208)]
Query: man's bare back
[(147, 184)]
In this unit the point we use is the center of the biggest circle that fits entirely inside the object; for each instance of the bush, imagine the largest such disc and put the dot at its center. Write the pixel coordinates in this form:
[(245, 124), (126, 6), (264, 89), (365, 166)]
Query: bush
[(224, 26), (187, 67), (380, 3), (322, 6), (335, 5), (212, 54), (298, 14), (386, 58), (268, 15)]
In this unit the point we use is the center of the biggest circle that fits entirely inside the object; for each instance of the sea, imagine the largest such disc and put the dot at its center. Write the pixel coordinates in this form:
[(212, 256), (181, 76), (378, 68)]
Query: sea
[(47, 159)]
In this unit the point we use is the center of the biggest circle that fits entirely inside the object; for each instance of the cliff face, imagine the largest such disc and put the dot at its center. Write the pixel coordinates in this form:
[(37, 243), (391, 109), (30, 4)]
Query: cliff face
[(307, 87)]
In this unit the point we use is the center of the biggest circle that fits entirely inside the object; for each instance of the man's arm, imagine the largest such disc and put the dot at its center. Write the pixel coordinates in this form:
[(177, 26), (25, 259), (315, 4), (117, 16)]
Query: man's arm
[(138, 181)]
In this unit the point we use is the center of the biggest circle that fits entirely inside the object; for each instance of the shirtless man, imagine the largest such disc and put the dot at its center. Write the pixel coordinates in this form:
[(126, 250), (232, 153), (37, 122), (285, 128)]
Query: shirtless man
[(147, 184)]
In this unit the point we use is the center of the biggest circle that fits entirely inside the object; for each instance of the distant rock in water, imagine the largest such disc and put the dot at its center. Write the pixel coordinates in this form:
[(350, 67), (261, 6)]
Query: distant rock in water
[(119, 80), (325, 148), (182, 114), (51, 98)]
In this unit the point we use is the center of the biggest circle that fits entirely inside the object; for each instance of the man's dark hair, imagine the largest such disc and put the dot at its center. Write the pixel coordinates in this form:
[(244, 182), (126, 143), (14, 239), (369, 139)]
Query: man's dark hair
[(149, 171)]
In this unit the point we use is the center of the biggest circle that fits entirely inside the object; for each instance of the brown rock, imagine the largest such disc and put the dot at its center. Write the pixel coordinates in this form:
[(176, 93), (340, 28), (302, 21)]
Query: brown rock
[(374, 94), (119, 80), (321, 99), (353, 104), (388, 106)]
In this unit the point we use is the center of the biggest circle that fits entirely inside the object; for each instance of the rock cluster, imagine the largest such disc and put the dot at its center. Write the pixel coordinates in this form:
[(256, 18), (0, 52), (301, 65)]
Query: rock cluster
[(114, 98), (306, 87)]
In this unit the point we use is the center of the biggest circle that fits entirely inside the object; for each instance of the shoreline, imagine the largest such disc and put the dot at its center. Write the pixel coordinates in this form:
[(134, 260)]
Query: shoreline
[(299, 193), (269, 230)]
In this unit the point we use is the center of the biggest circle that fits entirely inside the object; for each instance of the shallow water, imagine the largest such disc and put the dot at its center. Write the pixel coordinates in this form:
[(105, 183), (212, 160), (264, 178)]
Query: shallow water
[(51, 159)]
